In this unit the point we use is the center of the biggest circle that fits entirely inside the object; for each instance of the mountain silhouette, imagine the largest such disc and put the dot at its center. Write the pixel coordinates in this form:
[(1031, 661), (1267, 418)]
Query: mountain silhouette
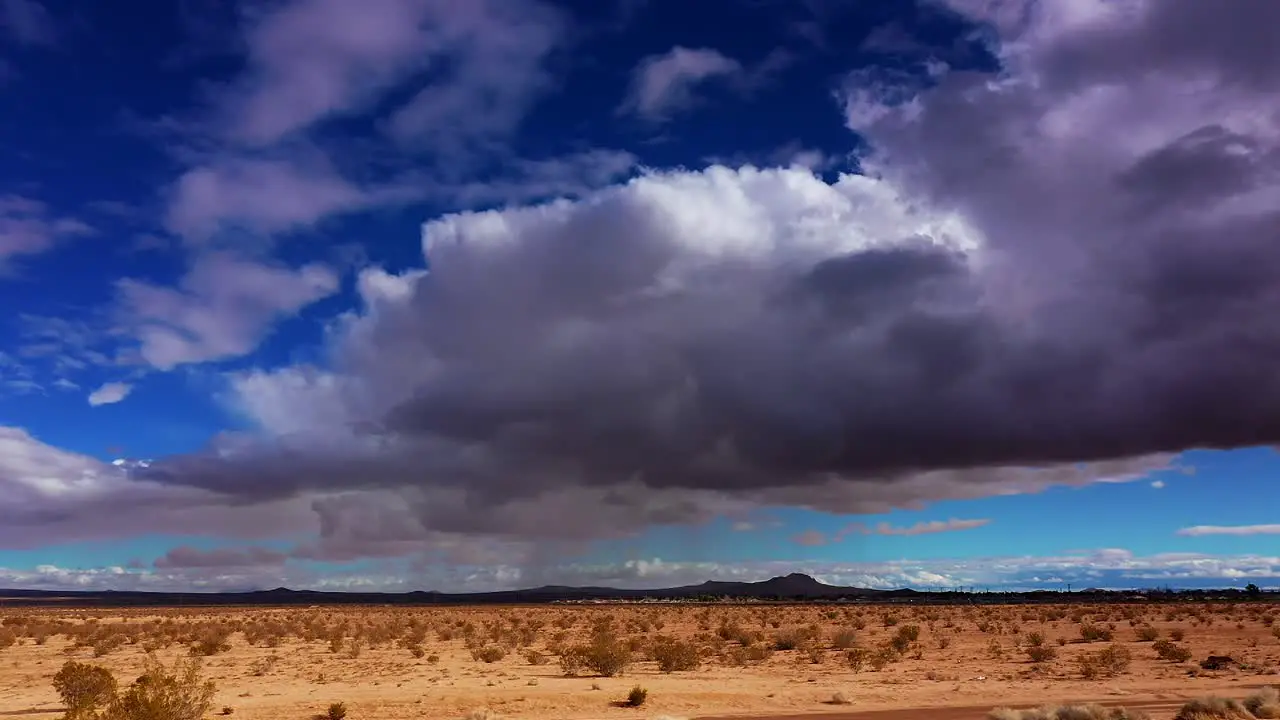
[(796, 586)]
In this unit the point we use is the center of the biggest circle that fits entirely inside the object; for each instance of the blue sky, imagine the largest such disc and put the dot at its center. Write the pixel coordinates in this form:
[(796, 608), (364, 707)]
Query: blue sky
[(411, 294)]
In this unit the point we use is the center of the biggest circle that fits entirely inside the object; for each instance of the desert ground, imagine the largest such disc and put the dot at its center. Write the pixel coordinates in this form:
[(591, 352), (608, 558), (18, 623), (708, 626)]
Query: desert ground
[(565, 662)]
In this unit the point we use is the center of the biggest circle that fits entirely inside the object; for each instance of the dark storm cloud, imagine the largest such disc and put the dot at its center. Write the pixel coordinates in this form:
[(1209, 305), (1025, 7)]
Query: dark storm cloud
[(1054, 277)]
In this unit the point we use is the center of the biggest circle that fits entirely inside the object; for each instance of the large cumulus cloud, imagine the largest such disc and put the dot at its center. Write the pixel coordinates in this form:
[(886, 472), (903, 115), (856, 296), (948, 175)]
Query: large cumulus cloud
[(1053, 275)]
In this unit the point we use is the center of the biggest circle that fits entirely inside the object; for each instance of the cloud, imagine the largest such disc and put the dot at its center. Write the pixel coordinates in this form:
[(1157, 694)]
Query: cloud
[(221, 308), (639, 381), (663, 84), (924, 528), (186, 557), (810, 538), (49, 495), (814, 537), (1197, 530), (110, 393), (259, 196), (311, 60), (544, 179), (1157, 484), (28, 228), (696, 344), (27, 22)]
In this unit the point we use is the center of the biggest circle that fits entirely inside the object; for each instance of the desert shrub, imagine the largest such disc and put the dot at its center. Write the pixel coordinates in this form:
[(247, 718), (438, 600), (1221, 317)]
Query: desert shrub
[(1094, 633), (605, 655), (1213, 708), (489, 653), (1067, 712), (674, 655), (739, 656), (1146, 633), (162, 693), (1110, 661), (857, 658), (1033, 639), (882, 658), (212, 642), (789, 639), (637, 696), (7, 638), (104, 645), (1166, 650), (336, 711), (1264, 704), (84, 688), (1041, 653), (1178, 634), (902, 639), (533, 657), (843, 639)]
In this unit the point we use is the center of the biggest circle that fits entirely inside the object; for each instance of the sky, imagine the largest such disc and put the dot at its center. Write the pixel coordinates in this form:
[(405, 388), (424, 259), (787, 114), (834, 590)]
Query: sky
[(422, 294)]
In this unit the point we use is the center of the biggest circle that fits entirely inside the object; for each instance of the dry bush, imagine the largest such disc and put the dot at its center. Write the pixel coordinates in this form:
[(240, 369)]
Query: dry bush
[(1146, 633), (674, 655), (1041, 653), (789, 639), (844, 639), (162, 693), (1094, 633), (1166, 650), (1110, 661), (1264, 704), (1213, 708), (84, 688), (605, 655), (637, 696), (1067, 712), (488, 653)]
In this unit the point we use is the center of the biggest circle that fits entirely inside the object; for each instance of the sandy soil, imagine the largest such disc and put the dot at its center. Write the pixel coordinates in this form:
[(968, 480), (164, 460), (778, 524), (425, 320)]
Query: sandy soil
[(399, 663)]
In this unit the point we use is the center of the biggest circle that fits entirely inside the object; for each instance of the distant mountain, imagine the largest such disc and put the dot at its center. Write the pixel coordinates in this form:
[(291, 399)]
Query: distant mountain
[(795, 586)]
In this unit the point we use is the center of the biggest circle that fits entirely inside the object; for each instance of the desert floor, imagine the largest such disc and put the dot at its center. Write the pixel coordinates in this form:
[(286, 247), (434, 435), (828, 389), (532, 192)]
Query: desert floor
[(753, 660)]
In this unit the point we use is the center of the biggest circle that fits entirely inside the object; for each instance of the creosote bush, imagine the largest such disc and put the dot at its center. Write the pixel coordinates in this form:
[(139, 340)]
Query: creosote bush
[(605, 655), (1110, 661), (637, 696), (1166, 650), (488, 653), (674, 655), (161, 693), (84, 688), (1041, 653)]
